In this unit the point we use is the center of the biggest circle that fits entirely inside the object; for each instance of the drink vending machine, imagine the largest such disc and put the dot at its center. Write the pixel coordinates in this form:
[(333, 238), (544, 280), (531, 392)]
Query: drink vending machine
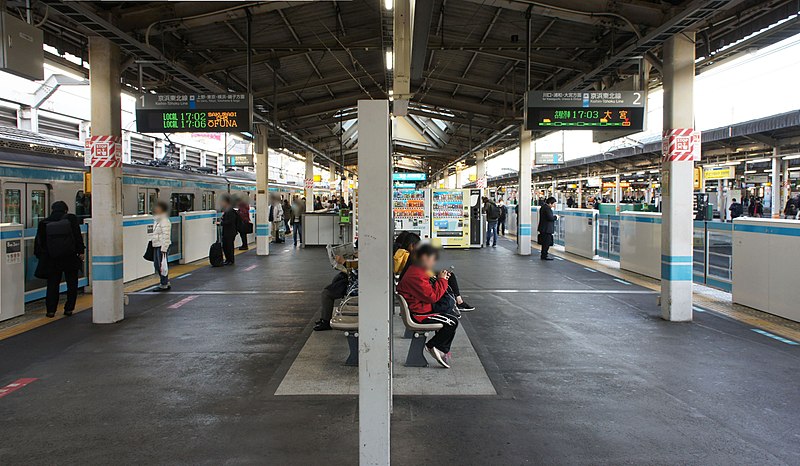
[(411, 211), (476, 223), (450, 214)]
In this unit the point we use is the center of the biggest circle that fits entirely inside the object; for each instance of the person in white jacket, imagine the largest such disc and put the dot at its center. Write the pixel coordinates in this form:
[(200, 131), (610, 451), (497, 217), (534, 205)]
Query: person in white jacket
[(276, 219), (161, 238)]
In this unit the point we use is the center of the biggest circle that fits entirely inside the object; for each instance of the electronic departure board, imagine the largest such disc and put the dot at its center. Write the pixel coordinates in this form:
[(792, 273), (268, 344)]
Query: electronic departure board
[(623, 110), (192, 113)]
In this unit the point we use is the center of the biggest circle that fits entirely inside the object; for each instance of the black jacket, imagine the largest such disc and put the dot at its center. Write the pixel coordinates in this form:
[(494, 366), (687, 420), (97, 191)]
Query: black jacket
[(492, 211), (229, 222), (46, 264), (547, 220), (503, 212)]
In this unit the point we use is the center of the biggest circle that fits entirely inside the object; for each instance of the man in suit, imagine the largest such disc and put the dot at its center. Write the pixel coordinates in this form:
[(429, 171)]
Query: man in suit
[(230, 221), (547, 221)]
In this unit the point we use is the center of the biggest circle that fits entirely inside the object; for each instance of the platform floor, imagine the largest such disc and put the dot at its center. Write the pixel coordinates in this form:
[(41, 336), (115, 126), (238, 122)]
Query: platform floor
[(584, 370)]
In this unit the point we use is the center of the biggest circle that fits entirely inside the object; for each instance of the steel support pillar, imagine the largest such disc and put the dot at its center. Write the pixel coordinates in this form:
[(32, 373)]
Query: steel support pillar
[(776, 184), (617, 193), (677, 180), (106, 232), (332, 180), (262, 192), (480, 168), (524, 194), (375, 297)]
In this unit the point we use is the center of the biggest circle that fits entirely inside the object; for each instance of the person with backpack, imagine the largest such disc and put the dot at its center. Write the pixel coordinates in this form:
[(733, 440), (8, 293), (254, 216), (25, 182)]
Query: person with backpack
[(60, 250), (287, 214), (275, 217), (230, 222), (161, 239), (492, 216), (737, 210), (243, 209), (501, 222), (792, 207)]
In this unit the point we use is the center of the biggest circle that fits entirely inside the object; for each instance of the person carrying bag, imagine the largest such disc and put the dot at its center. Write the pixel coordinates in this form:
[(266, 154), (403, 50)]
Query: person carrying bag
[(160, 241)]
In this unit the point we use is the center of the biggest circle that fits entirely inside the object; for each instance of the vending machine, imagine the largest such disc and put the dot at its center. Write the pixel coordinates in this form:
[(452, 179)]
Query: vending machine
[(411, 211), (450, 215)]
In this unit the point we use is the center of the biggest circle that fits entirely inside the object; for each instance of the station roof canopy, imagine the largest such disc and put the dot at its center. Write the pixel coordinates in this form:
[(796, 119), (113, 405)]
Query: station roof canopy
[(310, 62)]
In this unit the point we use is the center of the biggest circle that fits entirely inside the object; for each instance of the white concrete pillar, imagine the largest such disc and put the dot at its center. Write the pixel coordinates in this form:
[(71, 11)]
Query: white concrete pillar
[(524, 194), (309, 181), (786, 190), (580, 193), (262, 191), (776, 184), (376, 301), (106, 233), (480, 170), (617, 192), (332, 180), (721, 199), (677, 182), (458, 184)]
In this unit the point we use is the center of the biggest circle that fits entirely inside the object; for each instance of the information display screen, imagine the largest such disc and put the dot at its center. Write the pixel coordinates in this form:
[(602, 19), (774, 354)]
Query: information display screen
[(623, 110), (192, 113)]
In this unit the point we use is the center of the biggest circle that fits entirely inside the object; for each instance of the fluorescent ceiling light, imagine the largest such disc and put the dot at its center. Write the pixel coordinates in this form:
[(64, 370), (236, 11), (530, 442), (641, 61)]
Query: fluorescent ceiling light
[(759, 160), (750, 172), (388, 4), (389, 60), (792, 157), (733, 164)]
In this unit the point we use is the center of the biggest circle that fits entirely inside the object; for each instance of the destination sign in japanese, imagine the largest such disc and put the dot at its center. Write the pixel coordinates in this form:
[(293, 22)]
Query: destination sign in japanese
[(623, 110), (192, 113)]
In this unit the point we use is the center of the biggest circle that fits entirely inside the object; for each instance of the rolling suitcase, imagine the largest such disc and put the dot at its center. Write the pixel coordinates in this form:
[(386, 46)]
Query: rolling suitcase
[(215, 253)]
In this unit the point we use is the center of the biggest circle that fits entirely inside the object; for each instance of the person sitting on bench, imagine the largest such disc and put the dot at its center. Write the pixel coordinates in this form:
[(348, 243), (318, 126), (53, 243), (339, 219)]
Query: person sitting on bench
[(404, 246), (429, 301)]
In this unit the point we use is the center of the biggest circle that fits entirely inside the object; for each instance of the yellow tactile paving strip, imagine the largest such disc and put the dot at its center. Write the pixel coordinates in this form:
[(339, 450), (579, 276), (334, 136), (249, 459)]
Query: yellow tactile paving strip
[(771, 323), (85, 300)]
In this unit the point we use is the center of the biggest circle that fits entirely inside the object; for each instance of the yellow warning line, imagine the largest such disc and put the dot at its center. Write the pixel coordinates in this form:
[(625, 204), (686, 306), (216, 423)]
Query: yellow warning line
[(84, 301), (773, 324)]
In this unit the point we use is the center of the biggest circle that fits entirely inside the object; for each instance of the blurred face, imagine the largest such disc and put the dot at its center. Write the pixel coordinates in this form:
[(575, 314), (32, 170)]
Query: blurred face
[(428, 262), (157, 210)]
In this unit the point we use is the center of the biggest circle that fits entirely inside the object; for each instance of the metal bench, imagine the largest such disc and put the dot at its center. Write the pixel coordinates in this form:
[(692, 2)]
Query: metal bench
[(348, 325), (416, 350)]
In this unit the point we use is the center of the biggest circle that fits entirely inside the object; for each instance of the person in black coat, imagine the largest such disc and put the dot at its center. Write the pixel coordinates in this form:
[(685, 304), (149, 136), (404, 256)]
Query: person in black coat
[(547, 227), (229, 222), (60, 250)]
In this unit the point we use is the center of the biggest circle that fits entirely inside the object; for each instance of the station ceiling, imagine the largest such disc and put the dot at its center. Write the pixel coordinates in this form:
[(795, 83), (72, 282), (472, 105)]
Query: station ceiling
[(310, 62)]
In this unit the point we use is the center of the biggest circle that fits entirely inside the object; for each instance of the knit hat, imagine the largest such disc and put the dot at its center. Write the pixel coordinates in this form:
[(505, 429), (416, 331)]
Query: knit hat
[(59, 206)]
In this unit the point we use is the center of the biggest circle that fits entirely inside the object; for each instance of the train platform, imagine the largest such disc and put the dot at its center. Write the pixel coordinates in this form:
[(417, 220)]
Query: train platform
[(560, 363)]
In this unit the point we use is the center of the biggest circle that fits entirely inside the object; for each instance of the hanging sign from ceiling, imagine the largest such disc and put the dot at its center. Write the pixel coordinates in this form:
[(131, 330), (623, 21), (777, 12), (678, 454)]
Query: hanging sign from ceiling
[(607, 110), (193, 113)]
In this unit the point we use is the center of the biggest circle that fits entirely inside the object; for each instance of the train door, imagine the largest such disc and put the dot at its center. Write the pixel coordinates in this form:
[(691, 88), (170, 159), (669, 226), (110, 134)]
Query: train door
[(25, 203), (146, 201)]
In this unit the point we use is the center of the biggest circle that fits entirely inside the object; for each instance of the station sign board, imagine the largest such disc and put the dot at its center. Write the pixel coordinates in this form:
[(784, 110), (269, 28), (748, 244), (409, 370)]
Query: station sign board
[(193, 113), (719, 173), (239, 160), (409, 176), (549, 158), (606, 110)]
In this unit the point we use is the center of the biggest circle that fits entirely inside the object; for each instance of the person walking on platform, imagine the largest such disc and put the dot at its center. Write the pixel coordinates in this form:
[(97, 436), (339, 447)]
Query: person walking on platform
[(161, 238), (501, 222), (229, 222), (287, 214), (298, 209), (492, 216), (547, 227), (756, 208), (276, 219), (60, 250), (243, 209)]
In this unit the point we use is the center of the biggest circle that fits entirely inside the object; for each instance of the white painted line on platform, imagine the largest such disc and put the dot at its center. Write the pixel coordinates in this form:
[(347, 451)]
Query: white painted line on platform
[(231, 292), (590, 270), (182, 302), (564, 291), (183, 276), (250, 267), (619, 280)]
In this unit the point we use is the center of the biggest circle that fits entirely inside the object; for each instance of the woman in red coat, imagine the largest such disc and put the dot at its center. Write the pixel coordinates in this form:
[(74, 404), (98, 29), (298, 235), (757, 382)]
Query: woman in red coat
[(429, 301)]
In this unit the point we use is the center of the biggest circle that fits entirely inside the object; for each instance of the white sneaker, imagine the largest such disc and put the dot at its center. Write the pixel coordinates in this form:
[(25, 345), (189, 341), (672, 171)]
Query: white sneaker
[(439, 357)]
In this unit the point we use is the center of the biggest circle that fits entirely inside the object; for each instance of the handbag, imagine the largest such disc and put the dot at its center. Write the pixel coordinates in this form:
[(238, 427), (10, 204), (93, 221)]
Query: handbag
[(148, 253), (164, 269)]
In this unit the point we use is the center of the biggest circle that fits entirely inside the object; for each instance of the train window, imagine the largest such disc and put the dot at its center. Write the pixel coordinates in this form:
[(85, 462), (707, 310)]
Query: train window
[(12, 206), (141, 208), (83, 205), (208, 201), (38, 206), (182, 202)]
